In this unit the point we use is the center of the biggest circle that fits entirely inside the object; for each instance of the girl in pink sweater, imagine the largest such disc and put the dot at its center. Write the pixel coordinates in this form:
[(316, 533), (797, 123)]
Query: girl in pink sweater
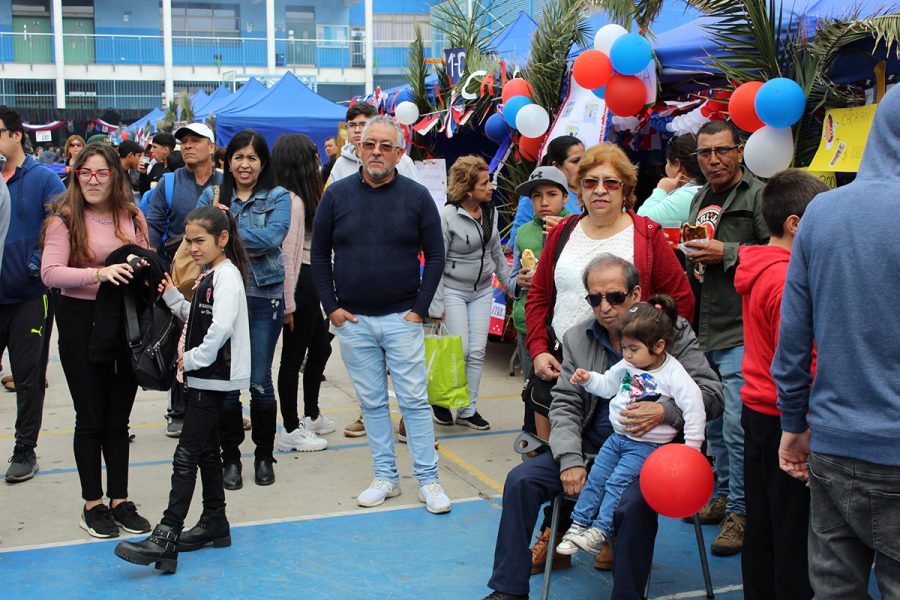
[(95, 217)]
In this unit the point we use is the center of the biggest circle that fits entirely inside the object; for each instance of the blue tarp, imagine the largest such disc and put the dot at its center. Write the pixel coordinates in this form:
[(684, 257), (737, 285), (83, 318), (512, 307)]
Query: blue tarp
[(246, 96), (513, 42), (289, 107), (151, 117), (217, 96), (216, 103), (199, 99)]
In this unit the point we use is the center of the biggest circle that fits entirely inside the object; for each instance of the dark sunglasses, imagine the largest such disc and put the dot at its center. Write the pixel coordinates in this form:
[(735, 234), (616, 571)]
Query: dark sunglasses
[(613, 298), (591, 183)]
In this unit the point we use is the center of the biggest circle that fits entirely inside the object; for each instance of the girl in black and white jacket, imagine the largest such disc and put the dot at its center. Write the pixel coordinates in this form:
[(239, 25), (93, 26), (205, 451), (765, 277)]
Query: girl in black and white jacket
[(216, 360)]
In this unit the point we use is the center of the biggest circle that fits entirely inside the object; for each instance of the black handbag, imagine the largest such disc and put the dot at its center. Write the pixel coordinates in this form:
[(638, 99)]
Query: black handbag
[(153, 341)]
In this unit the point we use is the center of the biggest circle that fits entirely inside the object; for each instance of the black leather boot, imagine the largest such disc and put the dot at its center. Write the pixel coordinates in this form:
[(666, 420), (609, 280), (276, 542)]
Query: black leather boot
[(263, 417), (231, 434), (160, 548), (213, 528), (231, 476)]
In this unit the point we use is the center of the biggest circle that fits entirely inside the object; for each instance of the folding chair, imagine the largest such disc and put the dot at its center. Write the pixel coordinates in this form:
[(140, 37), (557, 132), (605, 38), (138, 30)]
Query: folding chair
[(527, 442)]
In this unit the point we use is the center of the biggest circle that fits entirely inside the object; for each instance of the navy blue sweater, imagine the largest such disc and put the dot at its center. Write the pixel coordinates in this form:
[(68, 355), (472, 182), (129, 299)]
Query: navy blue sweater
[(842, 289), (376, 235)]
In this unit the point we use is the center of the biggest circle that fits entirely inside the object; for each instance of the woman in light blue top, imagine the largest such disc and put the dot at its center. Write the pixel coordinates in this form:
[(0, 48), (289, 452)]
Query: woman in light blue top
[(671, 200), (563, 153)]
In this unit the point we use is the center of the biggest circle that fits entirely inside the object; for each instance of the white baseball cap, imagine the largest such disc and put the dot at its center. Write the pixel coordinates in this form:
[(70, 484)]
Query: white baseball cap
[(198, 129)]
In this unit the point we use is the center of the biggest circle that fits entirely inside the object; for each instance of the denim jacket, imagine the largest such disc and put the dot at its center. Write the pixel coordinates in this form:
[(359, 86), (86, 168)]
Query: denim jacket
[(263, 222)]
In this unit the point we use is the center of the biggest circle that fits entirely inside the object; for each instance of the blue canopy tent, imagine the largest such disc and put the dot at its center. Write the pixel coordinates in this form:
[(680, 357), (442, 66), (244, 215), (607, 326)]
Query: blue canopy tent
[(513, 42), (151, 117), (247, 95), (199, 99), (217, 103), (289, 107), (217, 96)]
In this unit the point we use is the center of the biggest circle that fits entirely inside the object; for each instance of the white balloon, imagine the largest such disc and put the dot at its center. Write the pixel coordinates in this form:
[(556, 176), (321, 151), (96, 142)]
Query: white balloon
[(769, 150), (532, 120), (407, 112), (606, 35)]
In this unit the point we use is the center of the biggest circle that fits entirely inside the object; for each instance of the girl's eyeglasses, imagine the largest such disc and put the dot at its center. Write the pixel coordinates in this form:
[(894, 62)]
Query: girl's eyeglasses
[(85, 175), (609, 184)]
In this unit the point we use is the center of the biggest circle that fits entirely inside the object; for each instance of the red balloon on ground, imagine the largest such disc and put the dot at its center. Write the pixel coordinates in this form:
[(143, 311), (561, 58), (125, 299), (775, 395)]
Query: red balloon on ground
[(742, 107), (676, 480), (530, 147), (516, 87), (592, 69), (625, 95)]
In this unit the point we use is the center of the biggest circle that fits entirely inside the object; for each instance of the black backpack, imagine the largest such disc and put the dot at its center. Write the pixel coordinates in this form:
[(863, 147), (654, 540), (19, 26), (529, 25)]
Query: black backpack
[(153, 340)]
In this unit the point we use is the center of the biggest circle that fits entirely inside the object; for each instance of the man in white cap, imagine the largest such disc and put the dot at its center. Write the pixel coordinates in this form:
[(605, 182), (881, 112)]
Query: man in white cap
[(165, 217)]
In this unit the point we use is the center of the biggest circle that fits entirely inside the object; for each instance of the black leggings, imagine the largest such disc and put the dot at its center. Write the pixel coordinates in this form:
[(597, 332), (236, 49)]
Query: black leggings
[(310, 334), (103, 394)]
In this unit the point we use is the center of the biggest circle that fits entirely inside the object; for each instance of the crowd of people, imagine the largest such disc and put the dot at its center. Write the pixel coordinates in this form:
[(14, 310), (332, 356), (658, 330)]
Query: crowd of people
[(748, 344)]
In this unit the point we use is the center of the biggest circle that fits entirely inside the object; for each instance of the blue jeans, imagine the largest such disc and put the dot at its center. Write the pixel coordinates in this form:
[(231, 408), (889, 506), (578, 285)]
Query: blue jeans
[(725, 435), (854, 521), (367, 347), (616, 466), (266, 318), (467, 314)]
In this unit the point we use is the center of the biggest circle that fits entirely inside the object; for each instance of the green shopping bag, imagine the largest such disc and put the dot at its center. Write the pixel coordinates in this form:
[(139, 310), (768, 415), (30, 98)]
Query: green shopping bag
[(446, 366)]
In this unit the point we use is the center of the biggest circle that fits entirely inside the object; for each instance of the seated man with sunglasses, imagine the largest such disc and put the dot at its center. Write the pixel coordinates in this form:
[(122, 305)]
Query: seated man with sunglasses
[(580, 425)]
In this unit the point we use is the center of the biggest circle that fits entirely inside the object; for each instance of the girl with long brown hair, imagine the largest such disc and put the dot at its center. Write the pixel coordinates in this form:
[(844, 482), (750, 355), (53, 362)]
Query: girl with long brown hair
[(94, 218)]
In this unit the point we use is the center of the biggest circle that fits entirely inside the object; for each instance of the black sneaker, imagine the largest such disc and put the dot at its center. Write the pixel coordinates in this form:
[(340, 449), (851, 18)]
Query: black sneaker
[(22, 465), (173, 427), (126, 516), (442, 416), (476, 421), (98, 522)]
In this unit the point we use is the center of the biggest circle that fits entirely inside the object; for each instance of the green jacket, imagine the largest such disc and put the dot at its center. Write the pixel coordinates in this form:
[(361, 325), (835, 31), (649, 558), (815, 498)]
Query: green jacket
[(720, 324), (530, 236)]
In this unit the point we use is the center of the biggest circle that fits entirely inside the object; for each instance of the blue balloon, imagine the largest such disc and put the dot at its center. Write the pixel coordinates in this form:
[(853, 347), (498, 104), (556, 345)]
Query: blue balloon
[(495, 128), (512, 108), (630, 54), (600, 92), (780, 102)]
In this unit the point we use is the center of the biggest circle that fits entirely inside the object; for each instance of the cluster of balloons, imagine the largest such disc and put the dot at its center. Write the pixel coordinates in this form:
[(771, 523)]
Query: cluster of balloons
[(120, 138), (610, 69), (520, 113), (767, 110)]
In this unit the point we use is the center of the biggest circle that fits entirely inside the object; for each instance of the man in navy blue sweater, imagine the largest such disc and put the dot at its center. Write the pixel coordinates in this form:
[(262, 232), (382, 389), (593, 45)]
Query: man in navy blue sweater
[(375, 223), (842, 433)]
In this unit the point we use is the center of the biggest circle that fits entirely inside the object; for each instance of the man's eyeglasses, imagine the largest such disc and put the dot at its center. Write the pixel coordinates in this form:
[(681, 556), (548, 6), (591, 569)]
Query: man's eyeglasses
[(385, 147), (613, 298), (719, 150), (356, 125), (2, 129), (85, 175), (609, 184)]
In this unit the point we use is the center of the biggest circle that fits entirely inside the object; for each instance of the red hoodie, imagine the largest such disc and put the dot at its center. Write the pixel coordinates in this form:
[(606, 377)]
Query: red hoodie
[(759, 278)]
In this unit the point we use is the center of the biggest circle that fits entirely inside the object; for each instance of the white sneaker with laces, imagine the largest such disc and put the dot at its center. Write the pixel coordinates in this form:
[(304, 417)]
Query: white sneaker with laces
[(434, 497), (301, 440), (377, 492), (567, 546), (321, 425)]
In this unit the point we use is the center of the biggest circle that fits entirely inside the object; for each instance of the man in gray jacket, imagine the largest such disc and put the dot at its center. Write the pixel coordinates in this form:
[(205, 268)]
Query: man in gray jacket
[(579, 426)]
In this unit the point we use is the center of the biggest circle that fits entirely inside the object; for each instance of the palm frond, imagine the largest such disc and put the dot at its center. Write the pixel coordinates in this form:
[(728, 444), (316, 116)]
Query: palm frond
[(624, 12)]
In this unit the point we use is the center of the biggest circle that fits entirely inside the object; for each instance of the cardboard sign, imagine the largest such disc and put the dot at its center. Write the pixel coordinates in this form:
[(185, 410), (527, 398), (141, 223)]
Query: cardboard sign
[(433, 175), (844, 136)]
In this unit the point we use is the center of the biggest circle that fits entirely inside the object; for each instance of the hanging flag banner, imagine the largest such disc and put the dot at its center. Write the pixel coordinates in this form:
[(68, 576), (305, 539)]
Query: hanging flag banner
[(583, 115), (456, 64), (844, 135)]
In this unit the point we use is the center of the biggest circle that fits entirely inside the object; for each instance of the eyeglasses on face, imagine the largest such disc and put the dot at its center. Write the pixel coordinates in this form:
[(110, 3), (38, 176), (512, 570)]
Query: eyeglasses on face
[(612, 298), (356, 124), (76, 145), (85, 175), (609, 184), (720, 151), (385, 147)]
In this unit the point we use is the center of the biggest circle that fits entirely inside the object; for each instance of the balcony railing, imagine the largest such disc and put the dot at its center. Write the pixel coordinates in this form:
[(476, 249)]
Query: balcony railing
[(102, 49)]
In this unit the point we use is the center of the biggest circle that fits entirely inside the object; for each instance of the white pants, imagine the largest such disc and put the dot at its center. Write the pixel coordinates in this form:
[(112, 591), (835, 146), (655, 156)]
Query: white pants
[(467, 314)]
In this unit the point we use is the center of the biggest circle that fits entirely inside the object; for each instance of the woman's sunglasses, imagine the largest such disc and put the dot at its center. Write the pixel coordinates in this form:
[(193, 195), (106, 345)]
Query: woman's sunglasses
[(591, 183), (613, 298)]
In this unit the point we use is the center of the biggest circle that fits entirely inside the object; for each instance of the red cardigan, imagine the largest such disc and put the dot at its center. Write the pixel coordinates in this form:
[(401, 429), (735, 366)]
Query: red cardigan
[(654, 258)]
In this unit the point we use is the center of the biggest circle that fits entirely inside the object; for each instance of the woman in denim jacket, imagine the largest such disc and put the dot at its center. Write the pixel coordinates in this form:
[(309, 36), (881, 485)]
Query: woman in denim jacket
[(263, 213)]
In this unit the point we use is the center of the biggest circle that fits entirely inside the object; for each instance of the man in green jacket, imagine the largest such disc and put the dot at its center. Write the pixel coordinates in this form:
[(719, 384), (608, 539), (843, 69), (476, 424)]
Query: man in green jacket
[(728, 206)]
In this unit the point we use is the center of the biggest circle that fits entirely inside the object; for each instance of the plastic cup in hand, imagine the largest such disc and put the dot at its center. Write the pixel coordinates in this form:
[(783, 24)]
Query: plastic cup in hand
[(672, 231)]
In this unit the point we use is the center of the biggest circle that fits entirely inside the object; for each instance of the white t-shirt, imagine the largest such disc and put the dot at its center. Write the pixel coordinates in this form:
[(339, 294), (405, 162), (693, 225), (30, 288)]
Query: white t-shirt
[(571, 308)]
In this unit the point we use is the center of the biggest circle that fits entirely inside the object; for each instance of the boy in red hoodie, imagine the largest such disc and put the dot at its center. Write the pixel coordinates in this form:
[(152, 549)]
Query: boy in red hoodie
[(774, 558)]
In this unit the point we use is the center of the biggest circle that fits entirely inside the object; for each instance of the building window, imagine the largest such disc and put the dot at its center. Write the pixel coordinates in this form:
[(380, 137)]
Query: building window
[(205, 20), (401, 27)]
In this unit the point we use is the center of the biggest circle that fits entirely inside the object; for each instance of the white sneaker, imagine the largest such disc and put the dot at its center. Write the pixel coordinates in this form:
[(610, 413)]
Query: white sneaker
[(590, 540), (436, 501), (321, 425), (301, 440), (567, 546), (377, 492)]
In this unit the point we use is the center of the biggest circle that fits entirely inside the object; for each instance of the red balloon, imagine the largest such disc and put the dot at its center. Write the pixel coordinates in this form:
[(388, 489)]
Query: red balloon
[(625, 95), (530, 147), (592, 69), (124, 135), (516, 87), (676, 480), (742, 107)]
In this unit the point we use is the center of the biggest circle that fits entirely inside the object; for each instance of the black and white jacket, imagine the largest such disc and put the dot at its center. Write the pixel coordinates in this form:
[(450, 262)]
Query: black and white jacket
[(217, 345)]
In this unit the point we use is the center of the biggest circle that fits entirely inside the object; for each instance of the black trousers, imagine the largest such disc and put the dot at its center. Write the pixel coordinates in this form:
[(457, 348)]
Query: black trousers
[(310, 335), (25, 329), (198, 447), (103, 394), (774, 558)]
